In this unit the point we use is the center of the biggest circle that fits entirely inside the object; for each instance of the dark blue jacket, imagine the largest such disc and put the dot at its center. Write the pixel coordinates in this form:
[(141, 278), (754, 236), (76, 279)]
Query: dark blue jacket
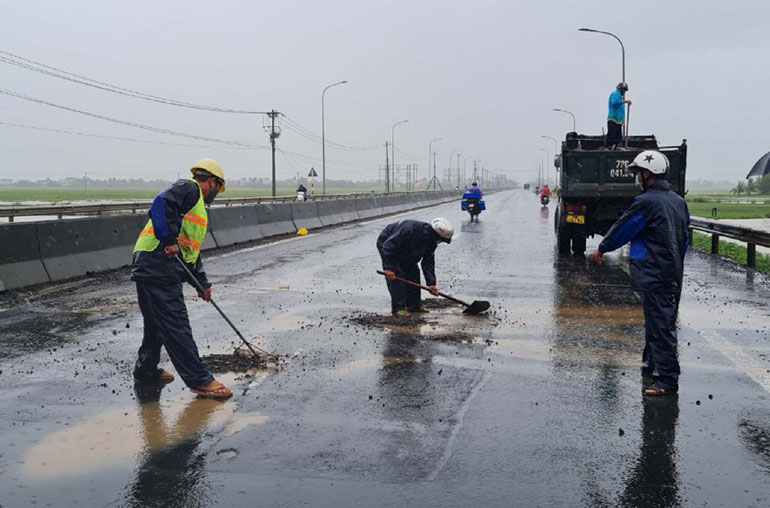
[(166, 213), (657, 227), (407, 242)]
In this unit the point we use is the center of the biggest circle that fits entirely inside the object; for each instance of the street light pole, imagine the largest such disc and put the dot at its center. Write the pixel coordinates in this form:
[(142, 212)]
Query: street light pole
[(393, 150), (545, 170), (622, 48), (449, 176), (574, 122), (323, 134), (458, 169), (540, 170), (430, 151)]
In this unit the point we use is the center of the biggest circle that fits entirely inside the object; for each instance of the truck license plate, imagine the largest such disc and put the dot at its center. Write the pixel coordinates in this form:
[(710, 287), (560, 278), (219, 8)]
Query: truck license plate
[(576, 219)]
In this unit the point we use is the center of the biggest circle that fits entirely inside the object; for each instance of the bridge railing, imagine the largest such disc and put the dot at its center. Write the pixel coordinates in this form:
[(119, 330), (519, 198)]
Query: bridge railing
[(717, 229)]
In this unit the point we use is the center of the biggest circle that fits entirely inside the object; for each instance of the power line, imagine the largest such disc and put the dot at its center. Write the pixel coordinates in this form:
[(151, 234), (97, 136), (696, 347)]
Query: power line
[(312, 136), (32, 65), (310, 158), (134, 140), (18, 95)]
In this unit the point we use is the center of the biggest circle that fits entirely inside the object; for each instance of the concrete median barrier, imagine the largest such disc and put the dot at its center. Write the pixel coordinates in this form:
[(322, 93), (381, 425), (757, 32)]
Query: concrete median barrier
[(230, 225), (366, 208), (305, 215), (275, 219), (36, 252), (329, 212), (20, 263), (70, 248)]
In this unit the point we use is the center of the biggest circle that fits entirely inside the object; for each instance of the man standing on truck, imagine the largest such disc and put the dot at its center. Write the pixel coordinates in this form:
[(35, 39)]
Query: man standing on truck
[(402, 245), (177, 227), (616, 116), (657, 227)]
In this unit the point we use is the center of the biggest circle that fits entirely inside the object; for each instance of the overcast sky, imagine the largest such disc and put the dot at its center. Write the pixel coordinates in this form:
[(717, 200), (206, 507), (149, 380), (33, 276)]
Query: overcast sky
[(483, 75)]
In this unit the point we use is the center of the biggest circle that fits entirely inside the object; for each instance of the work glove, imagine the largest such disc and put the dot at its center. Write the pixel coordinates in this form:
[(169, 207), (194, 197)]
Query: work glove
[(205, 295), (389, 274), (171, 250)]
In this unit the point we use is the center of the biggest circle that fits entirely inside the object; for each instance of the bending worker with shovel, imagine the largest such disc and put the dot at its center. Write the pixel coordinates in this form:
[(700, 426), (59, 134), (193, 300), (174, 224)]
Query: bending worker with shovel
[(177, 226), (402, 245)]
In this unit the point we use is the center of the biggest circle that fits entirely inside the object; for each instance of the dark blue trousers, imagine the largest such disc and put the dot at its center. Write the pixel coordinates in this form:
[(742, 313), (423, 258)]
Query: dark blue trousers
[(403, 296), (659, 359), (166, 324)]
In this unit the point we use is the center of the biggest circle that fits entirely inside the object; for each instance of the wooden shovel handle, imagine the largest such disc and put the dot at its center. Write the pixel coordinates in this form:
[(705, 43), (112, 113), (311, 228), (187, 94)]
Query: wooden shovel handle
[(426, 288)]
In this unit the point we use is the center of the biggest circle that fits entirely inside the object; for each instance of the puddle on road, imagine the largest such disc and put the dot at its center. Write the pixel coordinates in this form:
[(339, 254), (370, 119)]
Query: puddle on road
[(117, 436), (378, 362), (286, 321)]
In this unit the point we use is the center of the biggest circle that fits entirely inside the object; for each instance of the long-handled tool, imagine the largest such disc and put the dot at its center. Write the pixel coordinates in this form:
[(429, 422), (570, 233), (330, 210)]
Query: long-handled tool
[(477, 307), (198, 286)]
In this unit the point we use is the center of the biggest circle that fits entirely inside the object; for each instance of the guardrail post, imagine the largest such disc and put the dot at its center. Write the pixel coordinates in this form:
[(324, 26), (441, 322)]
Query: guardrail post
[(751, 255), (10, 218), (714, 243)]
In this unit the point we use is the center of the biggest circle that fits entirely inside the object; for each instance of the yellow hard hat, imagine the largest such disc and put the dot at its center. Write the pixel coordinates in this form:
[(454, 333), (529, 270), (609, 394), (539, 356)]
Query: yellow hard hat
[(212, 167)]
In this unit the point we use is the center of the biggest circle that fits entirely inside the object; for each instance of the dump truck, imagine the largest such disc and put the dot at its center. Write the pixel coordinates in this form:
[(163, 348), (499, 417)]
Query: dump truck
[(595, 186)]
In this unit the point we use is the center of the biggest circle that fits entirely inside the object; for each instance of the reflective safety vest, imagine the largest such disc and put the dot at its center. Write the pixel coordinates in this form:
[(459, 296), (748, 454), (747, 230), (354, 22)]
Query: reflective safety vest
[(191, 234)]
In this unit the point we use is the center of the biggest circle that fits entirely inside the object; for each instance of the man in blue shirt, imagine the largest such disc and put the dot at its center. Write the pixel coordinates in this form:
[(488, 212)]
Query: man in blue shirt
[(616, 116), (657, 227)]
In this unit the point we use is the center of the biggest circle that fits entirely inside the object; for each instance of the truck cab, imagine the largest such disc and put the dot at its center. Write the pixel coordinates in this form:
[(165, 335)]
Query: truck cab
[(595, 186)]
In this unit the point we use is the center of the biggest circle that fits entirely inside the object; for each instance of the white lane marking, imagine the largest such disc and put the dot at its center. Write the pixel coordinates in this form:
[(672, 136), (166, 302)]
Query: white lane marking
[(257, 247), (738, 357), (460, 418)]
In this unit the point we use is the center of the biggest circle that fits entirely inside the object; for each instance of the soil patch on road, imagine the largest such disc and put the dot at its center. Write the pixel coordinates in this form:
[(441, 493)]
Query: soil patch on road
[(235, 362)]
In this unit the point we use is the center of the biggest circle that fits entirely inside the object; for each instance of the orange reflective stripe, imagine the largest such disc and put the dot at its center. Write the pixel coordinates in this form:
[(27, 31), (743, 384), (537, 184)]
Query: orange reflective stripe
[(195, 218), (189, 242), (148, 231)]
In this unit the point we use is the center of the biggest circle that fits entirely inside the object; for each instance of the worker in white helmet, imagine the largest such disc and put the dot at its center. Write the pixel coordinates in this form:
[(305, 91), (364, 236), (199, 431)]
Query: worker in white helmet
[(404, 244)]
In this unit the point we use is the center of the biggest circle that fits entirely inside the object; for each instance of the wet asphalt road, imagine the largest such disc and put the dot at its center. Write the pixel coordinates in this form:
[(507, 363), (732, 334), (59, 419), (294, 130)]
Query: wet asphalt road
[(536, 404)]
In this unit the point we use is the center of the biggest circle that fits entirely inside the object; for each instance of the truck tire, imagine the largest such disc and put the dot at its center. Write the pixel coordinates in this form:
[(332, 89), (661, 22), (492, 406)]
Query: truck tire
[(578, 244), (562, 234)]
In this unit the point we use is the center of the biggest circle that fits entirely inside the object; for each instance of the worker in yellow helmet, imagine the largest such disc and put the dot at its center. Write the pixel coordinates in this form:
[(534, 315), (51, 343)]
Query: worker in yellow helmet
[(177, 228)]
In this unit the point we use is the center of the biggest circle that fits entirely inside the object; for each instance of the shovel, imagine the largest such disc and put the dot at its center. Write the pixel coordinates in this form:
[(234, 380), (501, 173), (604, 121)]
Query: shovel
[(477, 307), (198, 286)]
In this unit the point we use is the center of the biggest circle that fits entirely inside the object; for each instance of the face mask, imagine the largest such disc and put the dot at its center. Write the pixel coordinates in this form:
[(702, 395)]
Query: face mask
[(211, 195), (638, 180)]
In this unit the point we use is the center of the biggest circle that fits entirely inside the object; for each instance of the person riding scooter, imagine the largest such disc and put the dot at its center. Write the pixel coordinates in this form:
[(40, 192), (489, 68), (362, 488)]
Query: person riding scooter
[(545, 195), (472, 201), (301, 193)]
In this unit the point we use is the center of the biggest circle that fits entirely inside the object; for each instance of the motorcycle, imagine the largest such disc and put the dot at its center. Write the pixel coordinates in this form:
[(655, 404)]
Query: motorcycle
[(472, 204), (301, 196), (544, 199)]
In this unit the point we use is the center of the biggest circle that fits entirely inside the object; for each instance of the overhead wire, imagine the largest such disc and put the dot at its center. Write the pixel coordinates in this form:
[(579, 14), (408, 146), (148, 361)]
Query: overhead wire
[(170, 132), (307, 133), (32, 65), (134, 140)]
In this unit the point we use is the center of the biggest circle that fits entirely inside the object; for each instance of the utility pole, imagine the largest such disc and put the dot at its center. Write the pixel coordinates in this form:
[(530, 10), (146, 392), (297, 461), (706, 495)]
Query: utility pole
[(387, 169), (85, 181), (274, 134)]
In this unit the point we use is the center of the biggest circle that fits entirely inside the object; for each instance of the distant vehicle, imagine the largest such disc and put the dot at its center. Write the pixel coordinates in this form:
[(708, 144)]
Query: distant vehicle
[(526, 186), (595, 188)]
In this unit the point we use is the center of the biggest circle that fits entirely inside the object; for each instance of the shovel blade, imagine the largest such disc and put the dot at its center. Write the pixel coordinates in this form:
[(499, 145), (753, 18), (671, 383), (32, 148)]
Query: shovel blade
[(477, 307)]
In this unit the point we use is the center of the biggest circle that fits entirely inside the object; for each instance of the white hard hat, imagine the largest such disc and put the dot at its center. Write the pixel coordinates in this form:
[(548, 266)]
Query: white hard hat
[(443, 228), (652, 161)]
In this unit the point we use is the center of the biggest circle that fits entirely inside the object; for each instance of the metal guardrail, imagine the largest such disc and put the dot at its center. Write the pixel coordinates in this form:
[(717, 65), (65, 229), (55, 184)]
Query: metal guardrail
[(752, 237), (98, 209)]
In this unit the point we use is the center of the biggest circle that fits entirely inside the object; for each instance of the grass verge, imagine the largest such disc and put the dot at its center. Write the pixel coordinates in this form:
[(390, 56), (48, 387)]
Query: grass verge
[(702, 241), (729, 210)]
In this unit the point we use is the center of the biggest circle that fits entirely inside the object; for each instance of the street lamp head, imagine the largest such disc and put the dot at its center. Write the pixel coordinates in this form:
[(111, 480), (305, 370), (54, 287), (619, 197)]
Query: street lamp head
[(586, 30)]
